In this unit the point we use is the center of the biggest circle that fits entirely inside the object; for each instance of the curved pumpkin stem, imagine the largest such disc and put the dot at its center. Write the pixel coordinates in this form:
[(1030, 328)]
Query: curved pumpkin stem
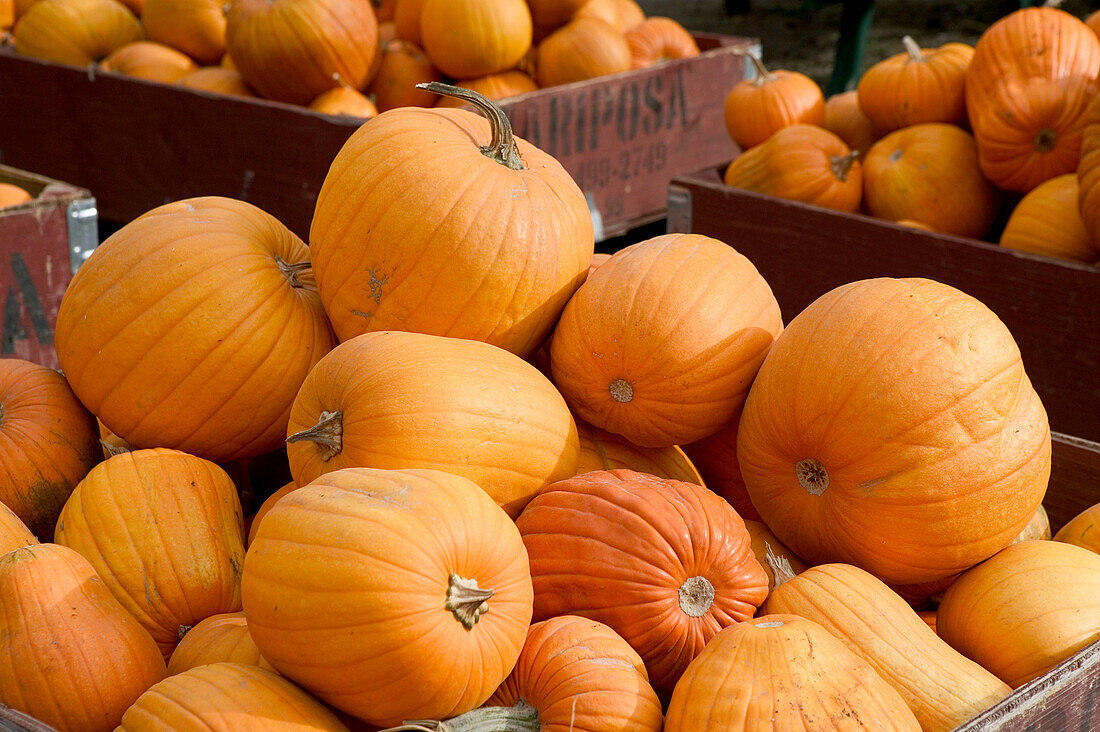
[(520, 717), (763, 76), (328, 433), (291, 271), (502, 148), (916, 55), (780, 566), (842, 165)]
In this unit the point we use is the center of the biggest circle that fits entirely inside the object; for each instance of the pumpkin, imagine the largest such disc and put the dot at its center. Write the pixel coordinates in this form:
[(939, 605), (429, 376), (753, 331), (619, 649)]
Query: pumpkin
[(929, 172), (466, 39), (661, 342), (1083, 529), (75, 32), (912, 224), (149, 60), (845, 119), (715, 456), (265, 507), (658, 39), (1093, 22), (228, 697), (1037, 528), (227, 63), (441, 264), (801, 163), (584, 48), (383, 10), (48, 442), (13, 532), (602, 450), (1027, 87), (763, 542), (72, 657), (758, 107), (293, 50), (196, 27), (164, 531), (406, 20), (929, 618), (1025, 610), (916, 86), (666, 564), (1088, 172), (13, 195), (221, 638), (220, 80), (342, 100), (783, 672), (620, 14), (7, 14), (386, 33), (893, 427), (554, 13), (20, 7), (494, 87), (942, 687), (192, 327), (402, 68), (414, 628), (366, 405)]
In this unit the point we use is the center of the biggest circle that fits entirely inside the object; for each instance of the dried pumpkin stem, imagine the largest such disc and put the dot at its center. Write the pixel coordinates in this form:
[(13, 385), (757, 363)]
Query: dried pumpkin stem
[(696, 596), (621, 390), (467, 601), (502, 147), (183, 630), (763, 76), (842, 165), (520, 717), (781, 568), (1045, 140), (291, 271), (328, 433), (916, 55), (812, 476)]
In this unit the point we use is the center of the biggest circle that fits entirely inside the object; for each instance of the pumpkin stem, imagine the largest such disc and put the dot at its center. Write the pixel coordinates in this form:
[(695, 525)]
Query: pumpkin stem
[(696, 596), (520, 717), (183, 630), (621, 390), (502, 148), (770, 624), (915, 53), (291, 271), (1053, 4), (763, 76), (781, 567), (1046, 140), (328, 433), (842, 165), (13, 719), (812, 475), (467, 601)]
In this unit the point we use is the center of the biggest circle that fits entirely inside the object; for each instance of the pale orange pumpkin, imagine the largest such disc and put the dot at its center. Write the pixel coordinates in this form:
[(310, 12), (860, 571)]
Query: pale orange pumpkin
[(217, 79), (13, 195), (1048, 221), (75, 32), (917, 85), (466, 39), (620, 14), (402, 68), (911, 472), (151, 61), (584, 48), (13, 532), (196, 27), (221, 638), (845, 119), (756, 108), (1083, 529), (494, 87), (658, 39), (662, 340), (345, 101), (602, 450)]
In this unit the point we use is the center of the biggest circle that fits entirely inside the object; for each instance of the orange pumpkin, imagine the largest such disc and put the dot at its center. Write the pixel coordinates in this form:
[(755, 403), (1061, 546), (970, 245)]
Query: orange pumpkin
[(265, 507), (1083, 529), (801, 163), (20, 7), (929, 173), (402, 68), (151, 61), (929, 618), (494, 87), (406, 20), (658, 39), (13, 532), (508, 275), (661, 342), (1093, 22), (715, 456), (164, 531), (196, 27), (602, 450), (383, 10), (7, 14), (48, 443), (584, 48), (1028, 608), (13, 195), (554, 13), (756, 108), (1048, 221), (413, 629), (1088, 172), (1027, 87), (365, 405), (71, 657), (217, 79), (192, 327), (908, 442), (228, 696), (466, 39), (345, 101), (764, 543), (918, 85), (783, 672), (666, 564), (620, 14), (221, 638), (75, 32), (845, 119), (293, 50)]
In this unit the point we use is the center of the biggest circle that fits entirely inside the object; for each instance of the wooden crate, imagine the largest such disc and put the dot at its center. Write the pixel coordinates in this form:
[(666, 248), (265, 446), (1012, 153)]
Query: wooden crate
[(137, 144), (42, 242), (1051, 306)]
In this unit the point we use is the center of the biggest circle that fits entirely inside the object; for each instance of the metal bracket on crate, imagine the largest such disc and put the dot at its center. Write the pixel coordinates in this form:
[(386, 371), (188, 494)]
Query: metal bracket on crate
[(679, 210), (82, 217), (757, 49), (597, 217)]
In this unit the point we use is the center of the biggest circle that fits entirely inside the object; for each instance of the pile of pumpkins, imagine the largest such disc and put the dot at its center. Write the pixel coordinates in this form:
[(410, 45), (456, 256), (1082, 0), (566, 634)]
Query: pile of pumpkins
[(350, 57), (531, 488), (946, 139)]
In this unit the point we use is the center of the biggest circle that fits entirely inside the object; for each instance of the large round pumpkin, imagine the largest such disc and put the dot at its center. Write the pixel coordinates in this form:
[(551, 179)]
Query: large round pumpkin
[(164, 531), (293, 50), (75, 32), (1048, 221), (466, 39), (398, 400), (192, 327), (389, 594), (893, 427), (196, 27), (72, 657), (584, 48), (418, 227), (666, 564), (48, 443), (661, 342)]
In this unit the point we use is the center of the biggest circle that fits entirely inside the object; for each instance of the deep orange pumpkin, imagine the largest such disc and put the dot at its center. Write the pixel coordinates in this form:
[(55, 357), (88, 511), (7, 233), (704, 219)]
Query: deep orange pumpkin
[(466, 39), (845, 119), (715, 456), (758, 107), (1088, 172), (658, 39), (13, 532), (75, 32), (151, 61), (584, 48), (554, 13), (192, 327), (666, 564), (893, 427), (383, 10), (403, 66), (48, 443), (918, 85), (196, 27), (1048, 221)]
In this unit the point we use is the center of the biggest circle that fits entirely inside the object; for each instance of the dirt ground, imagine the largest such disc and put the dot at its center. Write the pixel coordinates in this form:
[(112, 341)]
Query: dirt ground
[(801, 34)]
